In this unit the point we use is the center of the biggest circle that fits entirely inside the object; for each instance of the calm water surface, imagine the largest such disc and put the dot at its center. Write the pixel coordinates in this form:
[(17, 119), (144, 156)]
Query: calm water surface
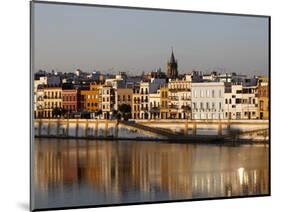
[(79, 172)]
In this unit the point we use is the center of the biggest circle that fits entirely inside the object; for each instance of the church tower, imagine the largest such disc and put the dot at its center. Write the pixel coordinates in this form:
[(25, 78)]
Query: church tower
[(172, 67)]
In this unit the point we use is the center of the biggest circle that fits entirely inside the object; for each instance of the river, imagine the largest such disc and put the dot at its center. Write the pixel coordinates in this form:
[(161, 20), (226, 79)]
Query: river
[(71, 173)]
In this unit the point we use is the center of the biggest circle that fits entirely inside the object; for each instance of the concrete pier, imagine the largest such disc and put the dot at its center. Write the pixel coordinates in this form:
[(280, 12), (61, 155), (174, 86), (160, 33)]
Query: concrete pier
[(160, 129)]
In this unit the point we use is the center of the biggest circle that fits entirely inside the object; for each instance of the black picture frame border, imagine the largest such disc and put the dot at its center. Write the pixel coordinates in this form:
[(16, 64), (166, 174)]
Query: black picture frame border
[(31, 96)]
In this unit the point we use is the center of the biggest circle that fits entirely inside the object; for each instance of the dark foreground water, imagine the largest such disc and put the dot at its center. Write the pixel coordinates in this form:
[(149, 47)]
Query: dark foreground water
[(79, 172)]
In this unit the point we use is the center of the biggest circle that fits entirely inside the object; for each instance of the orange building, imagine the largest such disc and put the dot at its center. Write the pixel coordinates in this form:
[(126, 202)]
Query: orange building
[(90, 98)]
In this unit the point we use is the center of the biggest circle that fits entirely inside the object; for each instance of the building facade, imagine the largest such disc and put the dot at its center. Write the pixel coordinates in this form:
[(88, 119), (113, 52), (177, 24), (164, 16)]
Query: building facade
[(91, 98), (263, 97), (179, 94), (107, 100), (52, 100), (233, 102), (136, 103), (164, 102), (249, 102), (123, 96), (207, 100), (70, 100), (154, 105)]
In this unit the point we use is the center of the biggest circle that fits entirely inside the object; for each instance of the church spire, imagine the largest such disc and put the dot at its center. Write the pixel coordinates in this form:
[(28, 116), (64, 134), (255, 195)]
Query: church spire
[(172, 66), (172, 60)]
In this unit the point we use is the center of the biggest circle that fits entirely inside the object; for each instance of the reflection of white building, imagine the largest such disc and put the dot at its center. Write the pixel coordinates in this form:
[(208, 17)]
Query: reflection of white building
[(207, 100)]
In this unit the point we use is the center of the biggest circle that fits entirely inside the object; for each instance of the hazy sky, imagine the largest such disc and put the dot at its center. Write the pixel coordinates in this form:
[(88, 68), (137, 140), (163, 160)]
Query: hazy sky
[(68, 37)]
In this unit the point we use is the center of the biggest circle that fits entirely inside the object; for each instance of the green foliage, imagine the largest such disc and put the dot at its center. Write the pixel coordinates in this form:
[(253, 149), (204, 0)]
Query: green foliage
[(58, 112), (125, 111)]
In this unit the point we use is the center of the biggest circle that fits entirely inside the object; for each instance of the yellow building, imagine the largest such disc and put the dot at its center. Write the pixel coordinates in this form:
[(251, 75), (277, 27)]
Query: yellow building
[(90, 98), (52, 100), (164, 102), (263, 97)]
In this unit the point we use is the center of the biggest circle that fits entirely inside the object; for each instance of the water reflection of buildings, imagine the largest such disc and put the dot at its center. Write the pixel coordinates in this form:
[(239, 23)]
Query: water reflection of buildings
[(180, 171)]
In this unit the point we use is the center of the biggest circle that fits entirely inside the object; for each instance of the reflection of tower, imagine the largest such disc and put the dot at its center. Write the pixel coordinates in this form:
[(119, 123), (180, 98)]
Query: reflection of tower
[(172, 67)]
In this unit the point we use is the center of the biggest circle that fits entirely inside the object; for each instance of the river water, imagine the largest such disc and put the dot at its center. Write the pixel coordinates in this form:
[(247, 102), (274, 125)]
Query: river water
[(79, 172)]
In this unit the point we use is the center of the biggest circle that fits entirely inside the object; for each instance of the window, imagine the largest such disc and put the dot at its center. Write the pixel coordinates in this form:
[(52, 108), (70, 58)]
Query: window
[(226, 102), (238, 115), (230, 101), (202, 93), (261, 105), (194, 105), (201, 105), (213, 93), (238, 101)]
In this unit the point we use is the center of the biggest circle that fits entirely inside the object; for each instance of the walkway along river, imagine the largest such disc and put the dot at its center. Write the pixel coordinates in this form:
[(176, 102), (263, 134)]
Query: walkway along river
[(217, 131)]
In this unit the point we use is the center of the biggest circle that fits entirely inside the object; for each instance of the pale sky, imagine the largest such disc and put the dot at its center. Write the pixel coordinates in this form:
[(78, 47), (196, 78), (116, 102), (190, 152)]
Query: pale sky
[(68, 37)]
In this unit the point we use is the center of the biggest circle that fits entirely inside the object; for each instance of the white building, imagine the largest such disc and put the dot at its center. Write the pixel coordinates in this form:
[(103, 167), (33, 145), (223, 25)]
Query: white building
[(145, 89), (233, 102), (106, 101), (207, 100), (154, 105), (240, 102)]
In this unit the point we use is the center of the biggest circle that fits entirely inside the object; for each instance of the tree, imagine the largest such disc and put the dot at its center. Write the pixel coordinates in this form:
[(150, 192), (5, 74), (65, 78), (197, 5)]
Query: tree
[(98, 113), (125, 111), (115, 114), (58, 112)]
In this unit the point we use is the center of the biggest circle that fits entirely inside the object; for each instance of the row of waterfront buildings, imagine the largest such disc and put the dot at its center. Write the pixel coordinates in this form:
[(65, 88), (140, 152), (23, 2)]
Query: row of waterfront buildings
[(154, 95)]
